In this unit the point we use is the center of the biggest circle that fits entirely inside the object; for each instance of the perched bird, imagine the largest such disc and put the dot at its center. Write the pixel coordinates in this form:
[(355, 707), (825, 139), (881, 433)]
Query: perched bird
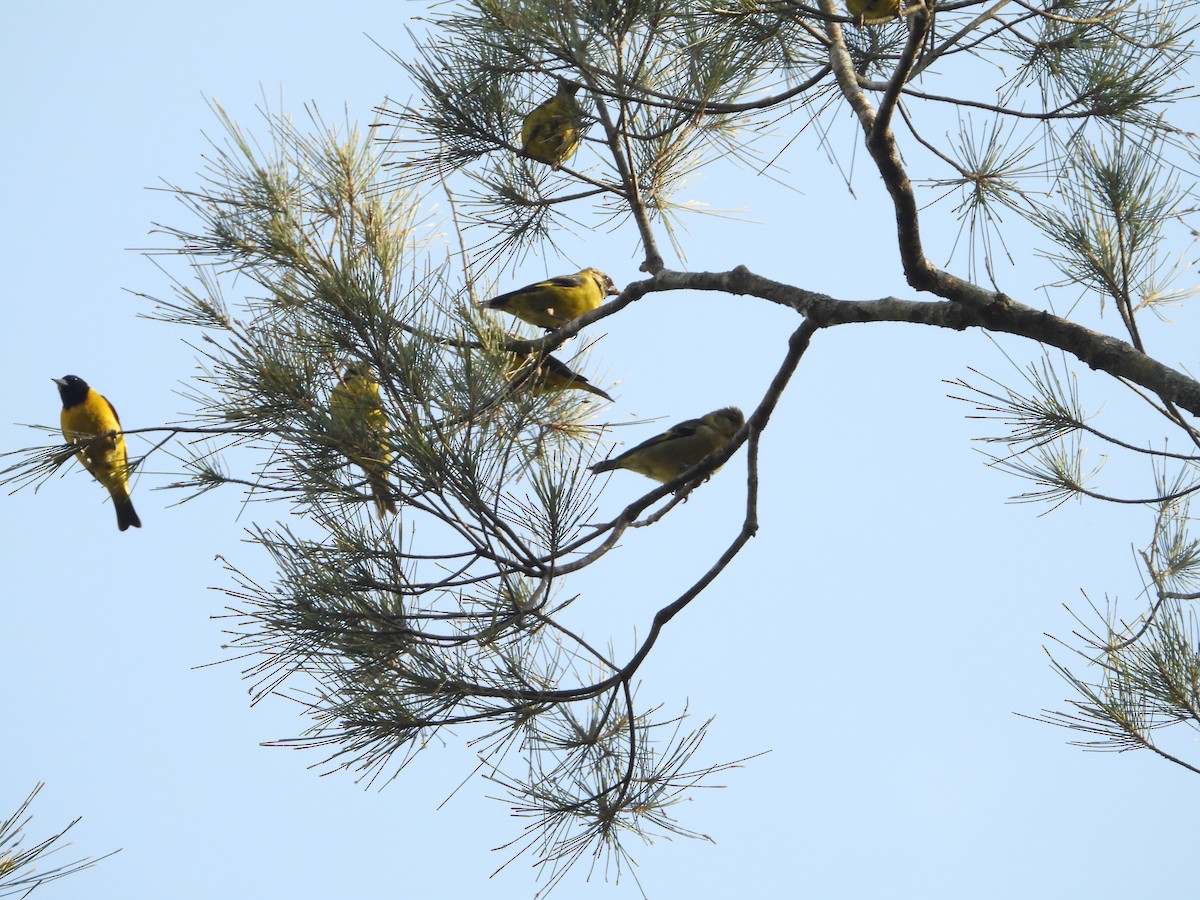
[(358, 416), (556, 301), (552, 131), (89, 420), (670, 454), (872, 10), (550, 377)]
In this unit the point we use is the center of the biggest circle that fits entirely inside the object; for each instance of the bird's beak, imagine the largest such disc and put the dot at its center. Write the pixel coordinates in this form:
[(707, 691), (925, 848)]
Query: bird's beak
[(59, 382)]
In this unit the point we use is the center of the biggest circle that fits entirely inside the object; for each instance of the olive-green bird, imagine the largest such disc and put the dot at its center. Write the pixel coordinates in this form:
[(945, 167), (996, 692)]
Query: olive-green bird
[(556, 301), (552, 131), (358, 416), (88, 419), (551, 377), (873, 10), (670, 454)]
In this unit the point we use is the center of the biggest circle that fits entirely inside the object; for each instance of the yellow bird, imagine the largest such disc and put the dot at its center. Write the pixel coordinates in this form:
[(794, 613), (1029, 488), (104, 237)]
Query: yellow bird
[(668, 455), (359, 419), (873, 11), (552, 131), (551, 377), (556, 301), (88, 419)]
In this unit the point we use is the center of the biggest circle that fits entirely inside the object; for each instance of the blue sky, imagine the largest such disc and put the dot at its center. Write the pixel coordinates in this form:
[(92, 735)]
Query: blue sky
[(877, 636)]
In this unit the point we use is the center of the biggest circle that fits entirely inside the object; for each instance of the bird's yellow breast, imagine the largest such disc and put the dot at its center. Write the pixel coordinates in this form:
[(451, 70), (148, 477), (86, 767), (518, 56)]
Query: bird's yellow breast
[(105, 457), (873, 9)]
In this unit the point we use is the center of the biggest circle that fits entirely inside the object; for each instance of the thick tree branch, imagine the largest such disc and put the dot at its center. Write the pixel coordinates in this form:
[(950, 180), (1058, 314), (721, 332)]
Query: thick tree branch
[(991, 310)]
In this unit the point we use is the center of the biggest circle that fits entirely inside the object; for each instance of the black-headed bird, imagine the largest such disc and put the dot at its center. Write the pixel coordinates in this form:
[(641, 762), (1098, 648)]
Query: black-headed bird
[(556, 301), (550, 377), (358, 417), (89, 420), (551, 132), (668, 455)]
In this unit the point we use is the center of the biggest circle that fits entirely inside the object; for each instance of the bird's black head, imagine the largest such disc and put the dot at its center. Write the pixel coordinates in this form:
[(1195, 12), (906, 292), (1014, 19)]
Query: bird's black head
[(358, 368), (72, 389)]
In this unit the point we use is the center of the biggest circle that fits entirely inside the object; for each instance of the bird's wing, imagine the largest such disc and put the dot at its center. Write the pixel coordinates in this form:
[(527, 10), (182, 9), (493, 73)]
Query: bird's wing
[(499, 300), (112, 409), (674, 433), (683, 429), (558, 367), (567, 281), (564, 281)]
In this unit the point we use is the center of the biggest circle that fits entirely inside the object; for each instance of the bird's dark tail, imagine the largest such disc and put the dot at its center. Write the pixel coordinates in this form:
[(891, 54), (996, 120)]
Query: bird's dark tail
[(381, 490), (126, 515)]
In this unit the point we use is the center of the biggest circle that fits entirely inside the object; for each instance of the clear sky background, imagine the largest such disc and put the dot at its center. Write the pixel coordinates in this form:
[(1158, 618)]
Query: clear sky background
[(877, 636)]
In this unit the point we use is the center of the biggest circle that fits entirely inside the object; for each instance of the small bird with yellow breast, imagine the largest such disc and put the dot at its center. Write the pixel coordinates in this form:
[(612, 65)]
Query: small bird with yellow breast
[(556, 301), (552, 131), (359, 419), (668, 455), (872, 11), (89, 420)]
